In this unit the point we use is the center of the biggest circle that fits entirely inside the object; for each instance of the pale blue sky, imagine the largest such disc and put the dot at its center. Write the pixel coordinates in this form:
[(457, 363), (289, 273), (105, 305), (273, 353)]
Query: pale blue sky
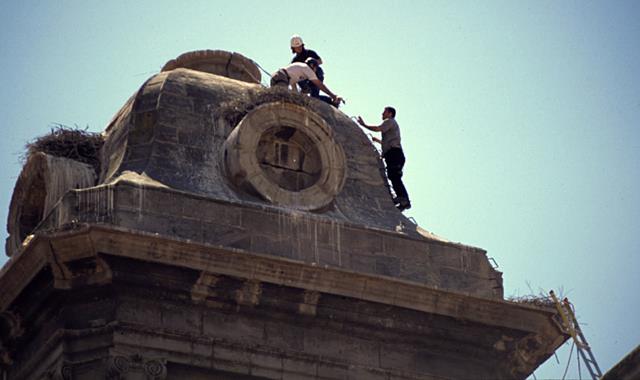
[(519, 118)]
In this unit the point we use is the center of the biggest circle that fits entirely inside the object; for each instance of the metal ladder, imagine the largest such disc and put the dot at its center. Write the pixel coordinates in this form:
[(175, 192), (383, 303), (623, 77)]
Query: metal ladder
[(571, 326)]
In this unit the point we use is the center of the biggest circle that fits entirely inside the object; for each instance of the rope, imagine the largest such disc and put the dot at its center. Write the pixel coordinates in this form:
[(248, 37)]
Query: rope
[(568, 361), (263, 70), (579, 369)]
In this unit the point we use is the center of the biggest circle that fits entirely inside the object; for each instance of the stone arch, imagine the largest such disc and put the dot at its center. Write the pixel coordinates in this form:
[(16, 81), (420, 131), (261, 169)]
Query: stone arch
[(42, 182), (287, 155), (219, 62)]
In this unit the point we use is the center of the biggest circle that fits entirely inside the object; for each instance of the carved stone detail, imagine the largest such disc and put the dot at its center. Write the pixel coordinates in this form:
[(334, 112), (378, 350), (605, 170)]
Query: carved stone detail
[(204, 288), (135, 366), (10, 329), (5, 356), (11, 325), (86, 271), (310, 303), (250, 293), (63, 371)]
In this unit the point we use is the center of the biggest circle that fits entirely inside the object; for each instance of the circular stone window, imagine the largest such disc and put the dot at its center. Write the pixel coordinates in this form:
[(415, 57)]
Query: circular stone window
[(287, 155)]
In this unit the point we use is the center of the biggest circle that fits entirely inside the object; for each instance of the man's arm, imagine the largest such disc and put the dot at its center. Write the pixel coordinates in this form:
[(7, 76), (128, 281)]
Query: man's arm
[(315, 55), (324, 88), (374, 128)]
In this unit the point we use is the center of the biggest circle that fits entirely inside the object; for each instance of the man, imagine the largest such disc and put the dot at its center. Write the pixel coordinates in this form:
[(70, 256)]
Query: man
[(301, 55), (392, 154), (297, 71)]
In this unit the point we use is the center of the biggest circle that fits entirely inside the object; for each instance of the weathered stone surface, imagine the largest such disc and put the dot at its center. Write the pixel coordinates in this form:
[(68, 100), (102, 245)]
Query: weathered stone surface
[(260, 314), (193, 256)]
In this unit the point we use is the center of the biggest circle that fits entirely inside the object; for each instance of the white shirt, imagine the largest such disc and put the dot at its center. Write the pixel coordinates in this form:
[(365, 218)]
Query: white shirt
[(299, 71)]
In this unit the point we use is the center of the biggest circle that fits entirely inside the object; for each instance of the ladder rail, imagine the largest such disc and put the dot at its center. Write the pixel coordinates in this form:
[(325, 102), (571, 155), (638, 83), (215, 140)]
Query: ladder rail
[(586, 346), (571, 326)]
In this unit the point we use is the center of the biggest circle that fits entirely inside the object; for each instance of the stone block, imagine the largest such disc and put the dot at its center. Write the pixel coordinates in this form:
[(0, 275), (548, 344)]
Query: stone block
[(332, 257), (225, 235), (152, 341), (174, 87), (175, 101), (138, 152), (404, 248), (298, 369), (266, 364), (232, 328), (272, 245), (166, 133), (445, 255), (177, 318), (363, 242), (146, 103), (397, 357), (264, 223), (140, 312), (157, 201), (161, 224), (340, 346), (361, 373), (417, 269), (284, 336), (202, 350), (194, 139), (208, 211), (476, 262), (387, 265), (178, 119), (467, 282), (332, 371), (231, 358), (363, 263)]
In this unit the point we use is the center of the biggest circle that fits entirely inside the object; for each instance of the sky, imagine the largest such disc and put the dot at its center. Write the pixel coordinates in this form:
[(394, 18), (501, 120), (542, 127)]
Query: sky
[(519, 119)]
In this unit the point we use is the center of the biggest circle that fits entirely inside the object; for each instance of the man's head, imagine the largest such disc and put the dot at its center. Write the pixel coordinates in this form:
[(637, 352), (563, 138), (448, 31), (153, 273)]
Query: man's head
[(388, 112), (296, 44), (312, 63)]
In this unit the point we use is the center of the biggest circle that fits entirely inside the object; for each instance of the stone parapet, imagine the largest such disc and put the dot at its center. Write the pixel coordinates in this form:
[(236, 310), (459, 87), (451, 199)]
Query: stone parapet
[(145, 303), (310, 238)]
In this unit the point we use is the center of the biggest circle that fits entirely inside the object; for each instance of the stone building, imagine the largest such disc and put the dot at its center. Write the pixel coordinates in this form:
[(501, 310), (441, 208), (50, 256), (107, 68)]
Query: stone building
[(231, 231)]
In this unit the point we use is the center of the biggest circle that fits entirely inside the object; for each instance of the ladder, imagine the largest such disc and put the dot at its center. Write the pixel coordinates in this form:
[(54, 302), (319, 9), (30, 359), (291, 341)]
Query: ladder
[(571, 326)]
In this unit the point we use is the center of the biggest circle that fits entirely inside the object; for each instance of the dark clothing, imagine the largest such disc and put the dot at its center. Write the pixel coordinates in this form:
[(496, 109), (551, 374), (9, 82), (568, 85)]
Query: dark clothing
[(280, 78), (394, 159), (306, 85), (304, 54)]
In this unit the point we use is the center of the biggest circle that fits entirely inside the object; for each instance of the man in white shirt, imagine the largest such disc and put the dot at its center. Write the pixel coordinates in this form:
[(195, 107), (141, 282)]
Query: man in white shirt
[(290, 75)]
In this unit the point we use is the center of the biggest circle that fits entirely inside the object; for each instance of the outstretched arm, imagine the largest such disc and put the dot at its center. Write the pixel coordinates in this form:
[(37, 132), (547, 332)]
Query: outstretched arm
[(374, 128), (324, 88)]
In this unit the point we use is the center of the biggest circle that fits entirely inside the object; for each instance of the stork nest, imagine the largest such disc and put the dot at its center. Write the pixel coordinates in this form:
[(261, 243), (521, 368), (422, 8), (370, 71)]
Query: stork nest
[(235, 110), (533, 300), (68, 142)]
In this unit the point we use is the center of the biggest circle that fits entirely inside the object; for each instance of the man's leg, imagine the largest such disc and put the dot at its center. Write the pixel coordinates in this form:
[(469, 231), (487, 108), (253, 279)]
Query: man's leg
[(394, 158), (315, 91)]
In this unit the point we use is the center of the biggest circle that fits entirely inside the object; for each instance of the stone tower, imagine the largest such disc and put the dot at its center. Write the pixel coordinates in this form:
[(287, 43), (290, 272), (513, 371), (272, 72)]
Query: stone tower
[(236, 232)]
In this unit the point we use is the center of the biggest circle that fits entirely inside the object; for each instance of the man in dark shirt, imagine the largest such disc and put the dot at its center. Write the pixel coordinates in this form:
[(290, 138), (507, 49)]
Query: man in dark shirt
[(392, 154), (301, 55)]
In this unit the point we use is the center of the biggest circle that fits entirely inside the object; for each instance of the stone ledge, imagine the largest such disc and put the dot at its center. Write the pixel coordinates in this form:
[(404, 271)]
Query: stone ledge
[(242, 264)]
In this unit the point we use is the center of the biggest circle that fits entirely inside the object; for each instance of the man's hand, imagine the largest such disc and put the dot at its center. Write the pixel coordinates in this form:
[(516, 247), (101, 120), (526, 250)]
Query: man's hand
[(360, 121)]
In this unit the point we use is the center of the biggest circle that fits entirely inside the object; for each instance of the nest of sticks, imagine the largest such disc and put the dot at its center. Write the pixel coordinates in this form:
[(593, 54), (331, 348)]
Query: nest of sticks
[(540, 300), (68, 142), (235, 110)]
